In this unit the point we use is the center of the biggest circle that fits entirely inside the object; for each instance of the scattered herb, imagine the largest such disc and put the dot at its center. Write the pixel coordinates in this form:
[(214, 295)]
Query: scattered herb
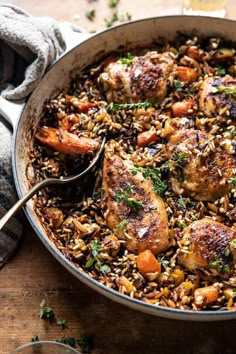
[(178, 85), (129, 106), (128, 60), (63, 324), (90, 14), (179, 159), (232, 132), (233, 243), (164, 262), (45, 312), (121, 225), (113, 3), (182, 224), (227, 90), (125, 17), (220, 70), (114, 19), (123, 196), (67, 340), (227, 252), (232, 180), (35, 339), (85, 341), (155, 175), (220, 266), (181, 202), (97, 257)]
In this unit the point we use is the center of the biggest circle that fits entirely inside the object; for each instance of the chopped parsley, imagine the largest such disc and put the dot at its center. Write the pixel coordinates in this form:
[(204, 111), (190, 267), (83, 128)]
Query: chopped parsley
[(97, 257), (178, 85), (233, 243), (129, 106), (128, 60), (123, 196), (114, 19), (113, 3), (155, 175), (220, 266), (220, 70), (179, 159), (90, 14), (232, 180), (63, 324), (85, 341), (227, 90), (45, 312), (232, 132), (181, 202), (164, 262), (67, 340), (35, 339), (121, 225), (182, 224)]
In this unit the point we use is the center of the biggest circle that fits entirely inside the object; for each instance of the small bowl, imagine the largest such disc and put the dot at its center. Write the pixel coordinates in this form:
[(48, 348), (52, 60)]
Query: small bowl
[(44, 347)]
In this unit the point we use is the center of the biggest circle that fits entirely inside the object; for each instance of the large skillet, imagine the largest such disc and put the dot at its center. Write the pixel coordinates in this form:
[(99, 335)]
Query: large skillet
[(57, 79)]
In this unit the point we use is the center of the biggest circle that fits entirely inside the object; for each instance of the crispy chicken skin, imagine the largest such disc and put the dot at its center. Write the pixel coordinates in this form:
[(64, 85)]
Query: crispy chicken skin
[(210, 248), (145, 78), (205, 178), (142, 228), (212, 98)]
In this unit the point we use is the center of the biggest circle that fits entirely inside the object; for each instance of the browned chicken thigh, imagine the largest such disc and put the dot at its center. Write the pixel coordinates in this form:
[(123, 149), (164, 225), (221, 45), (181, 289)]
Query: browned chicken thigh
[(216, 95), (203, 176), (210, 247), (144, 78), (133, 210)]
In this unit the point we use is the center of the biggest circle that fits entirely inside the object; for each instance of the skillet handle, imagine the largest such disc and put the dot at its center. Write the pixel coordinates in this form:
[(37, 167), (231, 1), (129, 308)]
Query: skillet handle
[(11, 111)]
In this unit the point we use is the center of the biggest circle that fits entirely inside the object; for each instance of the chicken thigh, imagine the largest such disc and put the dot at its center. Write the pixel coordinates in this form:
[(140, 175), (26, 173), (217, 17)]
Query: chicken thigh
[(211, 247), (144, 78), (133, 210), (204, 177)]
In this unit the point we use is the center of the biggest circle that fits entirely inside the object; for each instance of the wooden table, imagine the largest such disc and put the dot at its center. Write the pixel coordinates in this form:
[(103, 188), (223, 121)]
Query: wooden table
[(33, 274)]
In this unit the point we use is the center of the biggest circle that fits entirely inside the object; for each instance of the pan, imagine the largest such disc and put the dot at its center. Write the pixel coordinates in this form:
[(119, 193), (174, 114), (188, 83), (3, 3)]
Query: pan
[(25, 119)]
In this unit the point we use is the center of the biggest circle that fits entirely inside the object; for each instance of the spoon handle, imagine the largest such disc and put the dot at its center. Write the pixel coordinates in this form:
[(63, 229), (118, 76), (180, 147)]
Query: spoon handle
[(21, 202)]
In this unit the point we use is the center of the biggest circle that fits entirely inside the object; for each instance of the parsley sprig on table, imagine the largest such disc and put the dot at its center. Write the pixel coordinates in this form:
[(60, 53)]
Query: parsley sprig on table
[(45, 311)]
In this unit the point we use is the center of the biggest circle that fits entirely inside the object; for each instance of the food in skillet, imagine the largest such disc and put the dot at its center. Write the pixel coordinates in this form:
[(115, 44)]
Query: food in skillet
[(157, 219)]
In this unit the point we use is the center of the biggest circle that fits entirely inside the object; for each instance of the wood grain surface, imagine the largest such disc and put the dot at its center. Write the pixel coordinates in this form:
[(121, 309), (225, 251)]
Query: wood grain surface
[(33, 274)]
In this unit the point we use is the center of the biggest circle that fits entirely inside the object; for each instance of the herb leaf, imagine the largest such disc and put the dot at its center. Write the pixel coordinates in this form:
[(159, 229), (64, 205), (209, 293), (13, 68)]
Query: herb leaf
[(90, 14), (155, 175), (128, 106), (178, 85), (232, 180), (113, 3), (67, 340), (128, 60), (45, 312), (220, 70), (63, 324), (35, 339), (85, 341)]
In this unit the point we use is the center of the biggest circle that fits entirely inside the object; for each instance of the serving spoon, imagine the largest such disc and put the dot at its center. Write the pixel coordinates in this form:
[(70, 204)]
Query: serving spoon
[(48, 182)]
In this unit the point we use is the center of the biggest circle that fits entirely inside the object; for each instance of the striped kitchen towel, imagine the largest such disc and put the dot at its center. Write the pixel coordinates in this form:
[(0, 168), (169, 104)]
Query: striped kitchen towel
[(11, 233)]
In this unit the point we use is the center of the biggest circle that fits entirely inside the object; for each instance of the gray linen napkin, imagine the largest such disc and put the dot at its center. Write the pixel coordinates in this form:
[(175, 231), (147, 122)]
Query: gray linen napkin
[(28, 45)]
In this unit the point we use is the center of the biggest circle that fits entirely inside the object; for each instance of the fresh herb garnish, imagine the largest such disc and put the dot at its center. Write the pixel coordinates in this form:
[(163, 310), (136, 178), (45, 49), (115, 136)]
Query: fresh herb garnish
[(113, 3), (97, 257), (164, 262), (123, 196), (155, 175), (220, 71), (85, 341), (227, 90), (232, 180), (181, 202), (220, 266), (233, 243), (63, 324), (232, 132), (67, 340), (45, 312), (129, 106), (90, 14), (35, 339), (182, 224), (121, 225), (178, 85), (179, 159), (128, 60)]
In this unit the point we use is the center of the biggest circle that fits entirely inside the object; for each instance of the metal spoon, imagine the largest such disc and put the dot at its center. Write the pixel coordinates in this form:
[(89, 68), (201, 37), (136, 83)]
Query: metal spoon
[(47, 182)]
